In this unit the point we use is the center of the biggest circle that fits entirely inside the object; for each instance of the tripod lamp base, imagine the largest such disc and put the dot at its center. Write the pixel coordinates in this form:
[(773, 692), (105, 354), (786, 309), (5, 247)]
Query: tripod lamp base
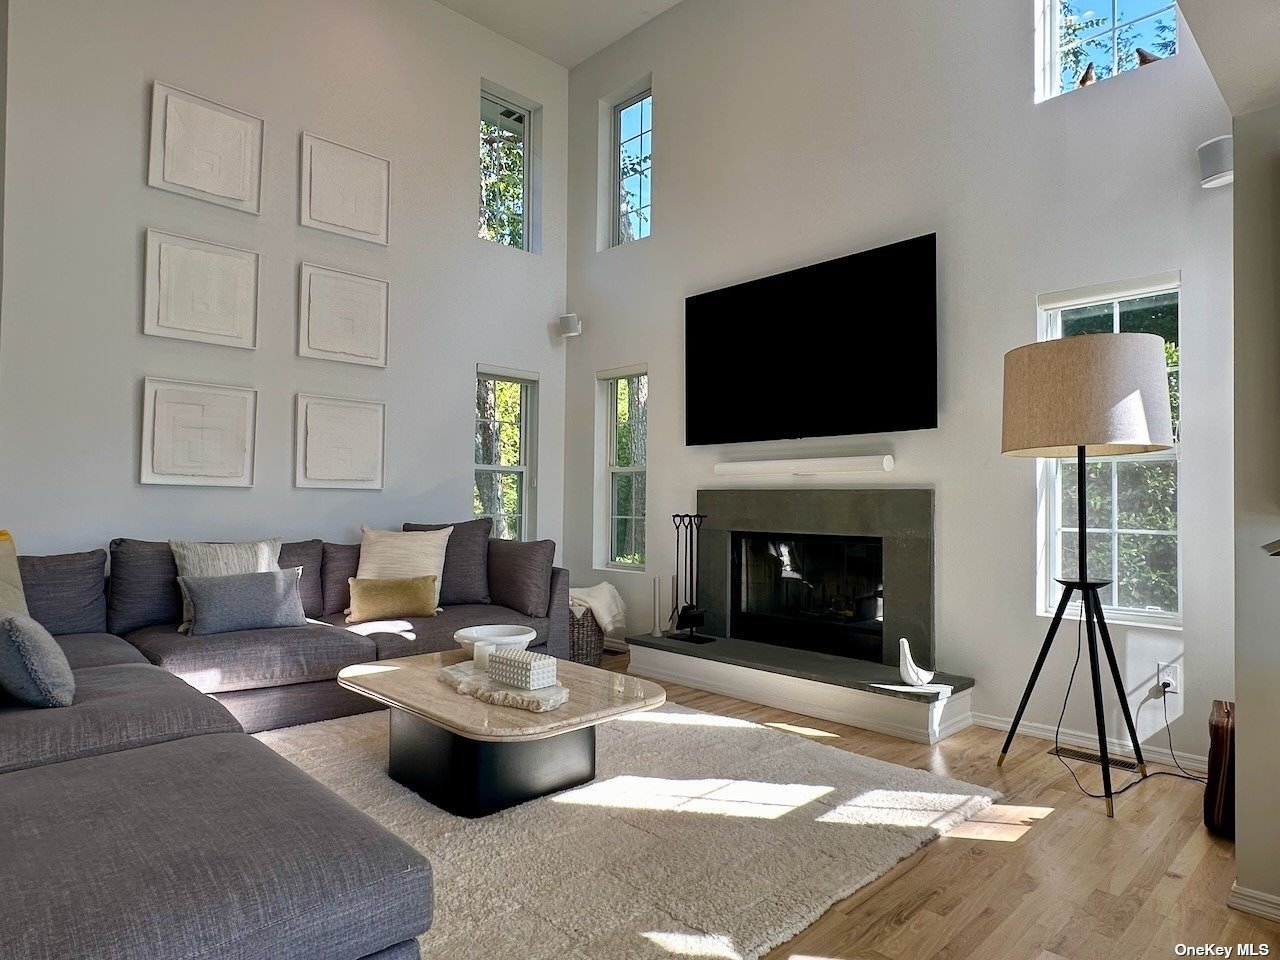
[(1000, 762)]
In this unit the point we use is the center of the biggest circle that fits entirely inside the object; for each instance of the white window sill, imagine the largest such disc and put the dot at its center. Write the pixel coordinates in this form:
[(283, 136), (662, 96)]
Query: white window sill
[(620, 568), (1117, 618)]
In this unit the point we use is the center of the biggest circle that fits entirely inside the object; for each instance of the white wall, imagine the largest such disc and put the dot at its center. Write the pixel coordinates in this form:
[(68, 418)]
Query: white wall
[(1257, 499), (399, 78), (790, 133)]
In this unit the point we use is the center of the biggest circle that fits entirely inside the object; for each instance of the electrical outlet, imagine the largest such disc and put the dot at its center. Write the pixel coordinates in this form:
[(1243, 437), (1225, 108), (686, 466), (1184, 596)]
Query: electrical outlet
[(1170, 673)]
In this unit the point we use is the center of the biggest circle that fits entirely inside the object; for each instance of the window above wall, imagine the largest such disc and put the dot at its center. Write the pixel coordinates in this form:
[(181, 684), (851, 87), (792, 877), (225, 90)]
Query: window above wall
[(633, 168), (506, 165), (1081, 42)]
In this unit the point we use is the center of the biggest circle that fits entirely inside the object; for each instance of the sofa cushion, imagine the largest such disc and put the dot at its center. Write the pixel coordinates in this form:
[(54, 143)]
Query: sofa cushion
[(97, 650), (466, 560), (520, 574), (309, 555), (341, 563), (211, 848), (195, 558), (67, 593), (248, 659), (33, 668), (144, 586), (243, 601), (413, 635), (115, 708)]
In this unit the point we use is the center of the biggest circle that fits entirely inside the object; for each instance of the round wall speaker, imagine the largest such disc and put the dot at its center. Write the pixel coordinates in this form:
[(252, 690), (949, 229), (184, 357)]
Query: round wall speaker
[(1217, 162)]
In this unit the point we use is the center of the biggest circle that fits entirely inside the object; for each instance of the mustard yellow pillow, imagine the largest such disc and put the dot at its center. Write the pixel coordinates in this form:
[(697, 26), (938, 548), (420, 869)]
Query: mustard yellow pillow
[(12, 599), (389, 599)]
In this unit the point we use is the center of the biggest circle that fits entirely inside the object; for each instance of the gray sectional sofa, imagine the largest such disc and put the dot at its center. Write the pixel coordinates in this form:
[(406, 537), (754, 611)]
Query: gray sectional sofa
[(142, 821)]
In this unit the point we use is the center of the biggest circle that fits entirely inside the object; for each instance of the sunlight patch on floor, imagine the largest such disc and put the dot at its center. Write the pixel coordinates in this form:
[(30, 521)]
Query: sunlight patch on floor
[(1003, 823), (804, 731), (718, 947), (726, 798), (897, 808)]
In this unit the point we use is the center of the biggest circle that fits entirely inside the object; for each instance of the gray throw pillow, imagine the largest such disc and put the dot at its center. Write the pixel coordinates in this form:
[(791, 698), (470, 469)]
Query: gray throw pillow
[(466, 560), (244, 601), (520, 574), (33, 667)]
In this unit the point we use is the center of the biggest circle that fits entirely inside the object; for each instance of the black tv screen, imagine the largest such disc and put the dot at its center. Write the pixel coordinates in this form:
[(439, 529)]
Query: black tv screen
[(844, 347)]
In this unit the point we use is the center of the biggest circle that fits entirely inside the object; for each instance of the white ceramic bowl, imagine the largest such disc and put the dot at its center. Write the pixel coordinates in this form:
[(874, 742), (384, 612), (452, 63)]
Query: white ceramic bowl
[(506, 636)]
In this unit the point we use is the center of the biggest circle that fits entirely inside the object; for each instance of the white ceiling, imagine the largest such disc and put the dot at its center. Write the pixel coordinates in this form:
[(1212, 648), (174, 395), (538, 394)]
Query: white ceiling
[(566, 31), (1239, 41)]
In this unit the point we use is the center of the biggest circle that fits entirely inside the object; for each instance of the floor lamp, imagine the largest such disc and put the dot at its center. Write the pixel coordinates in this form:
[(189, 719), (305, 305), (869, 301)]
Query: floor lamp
[(1098, 395)]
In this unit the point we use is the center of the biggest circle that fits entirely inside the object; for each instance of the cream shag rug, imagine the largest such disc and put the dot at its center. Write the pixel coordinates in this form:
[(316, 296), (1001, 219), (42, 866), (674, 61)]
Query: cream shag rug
[(702, 836)]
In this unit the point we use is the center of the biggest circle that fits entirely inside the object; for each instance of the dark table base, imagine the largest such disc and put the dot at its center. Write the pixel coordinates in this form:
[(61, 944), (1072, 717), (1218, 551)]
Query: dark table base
[(474, 778)]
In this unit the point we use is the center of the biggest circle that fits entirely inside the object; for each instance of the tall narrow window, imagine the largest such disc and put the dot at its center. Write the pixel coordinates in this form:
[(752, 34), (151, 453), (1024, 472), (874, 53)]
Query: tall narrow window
[(1084, 41), (504, 478), (633, 167), (1132, 513), (627, 398), (504, 172)]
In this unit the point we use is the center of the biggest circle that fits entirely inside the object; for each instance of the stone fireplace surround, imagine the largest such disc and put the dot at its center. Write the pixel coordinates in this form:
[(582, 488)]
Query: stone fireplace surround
[(902, 518)]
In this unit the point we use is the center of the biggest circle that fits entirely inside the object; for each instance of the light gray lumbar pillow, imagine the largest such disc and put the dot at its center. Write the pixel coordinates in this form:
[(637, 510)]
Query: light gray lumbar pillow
[(195, 559), (33, 667), (244, 601)]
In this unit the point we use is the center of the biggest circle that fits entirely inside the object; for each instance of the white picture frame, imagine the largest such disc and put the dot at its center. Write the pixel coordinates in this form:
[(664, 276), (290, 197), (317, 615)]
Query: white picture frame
[(340, 443), (200, 291), (345, 190), (198, 434), (204, 149), (343, 316)]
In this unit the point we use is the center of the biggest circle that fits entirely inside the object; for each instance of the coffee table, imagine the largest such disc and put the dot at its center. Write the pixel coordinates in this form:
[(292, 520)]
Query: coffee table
[(472, 758)]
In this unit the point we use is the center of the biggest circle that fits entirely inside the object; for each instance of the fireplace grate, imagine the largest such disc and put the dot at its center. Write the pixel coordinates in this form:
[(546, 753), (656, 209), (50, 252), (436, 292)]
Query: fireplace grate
[(1070, 753)]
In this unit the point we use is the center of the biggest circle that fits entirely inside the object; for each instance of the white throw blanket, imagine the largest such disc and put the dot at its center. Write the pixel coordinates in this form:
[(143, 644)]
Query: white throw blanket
[(604, 602)]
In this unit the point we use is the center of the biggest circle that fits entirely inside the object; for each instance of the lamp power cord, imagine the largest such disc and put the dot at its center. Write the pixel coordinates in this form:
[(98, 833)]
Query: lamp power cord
[(1164, 700)]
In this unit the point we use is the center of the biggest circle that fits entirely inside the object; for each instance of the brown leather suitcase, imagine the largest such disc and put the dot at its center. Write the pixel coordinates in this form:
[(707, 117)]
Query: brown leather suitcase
[(1220, 790)]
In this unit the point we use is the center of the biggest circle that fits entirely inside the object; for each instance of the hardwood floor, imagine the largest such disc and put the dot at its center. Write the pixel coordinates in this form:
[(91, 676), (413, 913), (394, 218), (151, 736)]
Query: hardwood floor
[(1041, 875)]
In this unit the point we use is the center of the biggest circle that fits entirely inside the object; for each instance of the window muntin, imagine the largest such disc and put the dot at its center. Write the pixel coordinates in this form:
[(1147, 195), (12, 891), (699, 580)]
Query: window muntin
[(1132, 513), (628, 416), (1105, 33), (503, 474), (504, 172), (633, 168)]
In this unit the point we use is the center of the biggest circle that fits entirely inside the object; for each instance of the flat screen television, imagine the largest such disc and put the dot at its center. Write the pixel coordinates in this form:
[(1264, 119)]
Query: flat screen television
[(849, 346)]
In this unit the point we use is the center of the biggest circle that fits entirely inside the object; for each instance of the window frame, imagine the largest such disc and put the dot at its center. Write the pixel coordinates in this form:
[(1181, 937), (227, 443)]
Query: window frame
[(615, 189), (527, 468), (526, 178), (1050, 527), (1049, 72), (607, 389)]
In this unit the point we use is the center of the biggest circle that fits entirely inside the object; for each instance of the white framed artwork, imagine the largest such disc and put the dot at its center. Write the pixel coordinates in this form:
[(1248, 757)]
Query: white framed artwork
[(204, 149), (339, 443), (345, 190), (342, 316), (198, 434), (201, 291)]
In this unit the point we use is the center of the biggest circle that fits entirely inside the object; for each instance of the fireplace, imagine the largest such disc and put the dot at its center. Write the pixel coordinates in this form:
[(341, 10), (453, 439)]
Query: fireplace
[(809, 591), (855, 575)]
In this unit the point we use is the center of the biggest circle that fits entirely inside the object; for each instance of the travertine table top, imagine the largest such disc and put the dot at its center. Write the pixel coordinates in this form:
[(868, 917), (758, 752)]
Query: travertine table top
[(413, 684)]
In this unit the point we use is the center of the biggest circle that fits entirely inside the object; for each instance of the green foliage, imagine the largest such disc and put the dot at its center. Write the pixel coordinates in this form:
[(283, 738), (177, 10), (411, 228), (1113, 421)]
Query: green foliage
[(499, 443), (628, 494), (502, 185)]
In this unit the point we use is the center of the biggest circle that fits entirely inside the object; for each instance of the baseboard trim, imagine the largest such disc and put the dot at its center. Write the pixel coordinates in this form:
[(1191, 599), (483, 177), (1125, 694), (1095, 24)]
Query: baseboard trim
[(1256, 902), (897, 717), (1089, 741)]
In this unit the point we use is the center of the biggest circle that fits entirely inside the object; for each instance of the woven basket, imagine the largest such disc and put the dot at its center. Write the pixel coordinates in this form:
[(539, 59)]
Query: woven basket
[(586, 639)]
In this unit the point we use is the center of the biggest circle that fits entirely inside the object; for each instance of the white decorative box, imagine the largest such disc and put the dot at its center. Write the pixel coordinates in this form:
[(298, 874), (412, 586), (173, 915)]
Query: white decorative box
[(522, 668)]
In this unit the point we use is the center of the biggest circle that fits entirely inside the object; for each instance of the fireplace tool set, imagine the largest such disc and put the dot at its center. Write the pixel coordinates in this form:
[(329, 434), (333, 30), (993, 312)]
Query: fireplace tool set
[(685, 612)]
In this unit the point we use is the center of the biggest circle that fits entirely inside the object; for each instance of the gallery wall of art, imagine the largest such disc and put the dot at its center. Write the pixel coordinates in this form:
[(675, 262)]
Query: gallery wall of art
[(251, 298)]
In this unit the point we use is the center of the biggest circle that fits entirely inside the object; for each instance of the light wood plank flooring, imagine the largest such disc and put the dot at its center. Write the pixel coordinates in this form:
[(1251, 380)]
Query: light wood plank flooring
[(1042, 875)]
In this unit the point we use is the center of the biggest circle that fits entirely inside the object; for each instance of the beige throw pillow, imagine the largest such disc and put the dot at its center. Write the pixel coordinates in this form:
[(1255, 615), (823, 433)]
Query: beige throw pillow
[(391, 599), (392, 555), (195, 559), (12, 599)]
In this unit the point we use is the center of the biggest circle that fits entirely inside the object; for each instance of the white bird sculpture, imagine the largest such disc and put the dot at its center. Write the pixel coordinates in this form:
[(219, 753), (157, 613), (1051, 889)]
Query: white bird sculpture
[(911, 674)]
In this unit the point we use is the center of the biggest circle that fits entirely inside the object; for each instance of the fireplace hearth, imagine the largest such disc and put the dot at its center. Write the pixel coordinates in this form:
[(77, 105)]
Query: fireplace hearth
[(814, 592)]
